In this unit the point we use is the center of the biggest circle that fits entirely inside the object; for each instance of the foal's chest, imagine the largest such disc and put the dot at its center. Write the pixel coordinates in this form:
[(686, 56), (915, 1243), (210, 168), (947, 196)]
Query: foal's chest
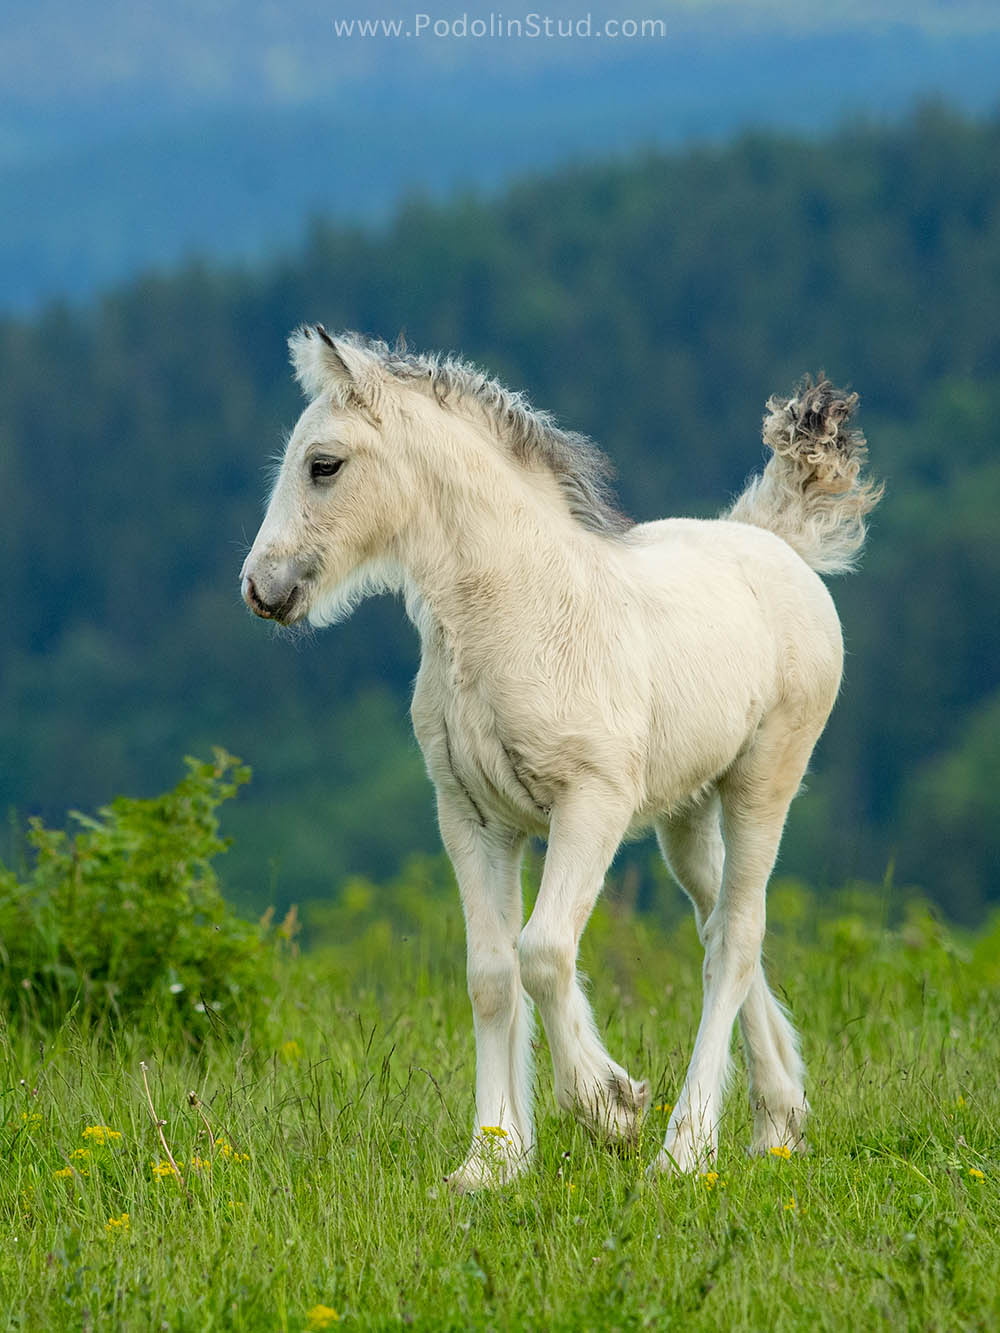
[(475, 744)]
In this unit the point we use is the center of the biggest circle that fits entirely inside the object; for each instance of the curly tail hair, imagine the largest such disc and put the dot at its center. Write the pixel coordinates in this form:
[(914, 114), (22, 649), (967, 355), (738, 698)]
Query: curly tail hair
[(811, 492)]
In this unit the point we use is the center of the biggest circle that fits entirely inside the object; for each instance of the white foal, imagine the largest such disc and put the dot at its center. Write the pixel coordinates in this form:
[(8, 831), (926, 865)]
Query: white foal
[(580, 678)]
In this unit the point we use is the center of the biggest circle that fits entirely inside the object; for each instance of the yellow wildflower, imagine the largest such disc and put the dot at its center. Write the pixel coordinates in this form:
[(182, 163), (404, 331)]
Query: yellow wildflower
[(229, 1152), (959, 1103), (200, 1163), (976, 1174), (783, 1151), (665, 1107), (80, 1154), (322, 1316), (31, 1117), (64, 1173), (116, 1226), (235, 1205), (710, 1179), (102, 1135), (493, 1132), (790, 1206), (162, 1169), (290, 1052)]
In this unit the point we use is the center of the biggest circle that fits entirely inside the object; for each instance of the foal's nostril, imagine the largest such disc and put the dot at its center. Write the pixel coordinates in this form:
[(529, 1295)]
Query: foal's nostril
[(251, 598), (269, 610), (255, 602)]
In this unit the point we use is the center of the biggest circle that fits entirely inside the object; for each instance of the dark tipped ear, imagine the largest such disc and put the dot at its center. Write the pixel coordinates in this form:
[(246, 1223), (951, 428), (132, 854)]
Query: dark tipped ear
[(335, 360), (327, 365)]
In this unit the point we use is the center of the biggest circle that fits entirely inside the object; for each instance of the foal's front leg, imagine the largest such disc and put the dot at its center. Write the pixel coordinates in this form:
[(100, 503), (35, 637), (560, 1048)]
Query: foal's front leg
[(487, 864), (583, 837)]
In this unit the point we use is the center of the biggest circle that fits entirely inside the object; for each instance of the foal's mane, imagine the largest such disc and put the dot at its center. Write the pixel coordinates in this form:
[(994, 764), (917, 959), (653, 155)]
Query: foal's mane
[(582, 471)]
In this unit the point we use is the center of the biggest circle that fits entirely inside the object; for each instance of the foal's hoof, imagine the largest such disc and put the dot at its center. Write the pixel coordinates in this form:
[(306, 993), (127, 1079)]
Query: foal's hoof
[(614, 1111), (688, 1149), (663, 1165), (779, 1134), (681, 1162), (475, 1175), (470, 1177), (494, 1159), (771, 1148)]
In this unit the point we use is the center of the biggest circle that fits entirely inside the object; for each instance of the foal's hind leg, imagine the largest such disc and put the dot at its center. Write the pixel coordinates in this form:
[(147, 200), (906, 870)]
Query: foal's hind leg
[(691, 842), (585, 831), (756, 794)]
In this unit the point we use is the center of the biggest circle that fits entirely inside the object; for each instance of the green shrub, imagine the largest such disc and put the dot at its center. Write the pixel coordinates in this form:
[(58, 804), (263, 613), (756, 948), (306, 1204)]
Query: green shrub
[(124, 918)]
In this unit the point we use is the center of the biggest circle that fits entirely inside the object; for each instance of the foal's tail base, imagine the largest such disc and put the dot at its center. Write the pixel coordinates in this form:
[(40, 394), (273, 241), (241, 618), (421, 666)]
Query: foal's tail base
[(811, 492)]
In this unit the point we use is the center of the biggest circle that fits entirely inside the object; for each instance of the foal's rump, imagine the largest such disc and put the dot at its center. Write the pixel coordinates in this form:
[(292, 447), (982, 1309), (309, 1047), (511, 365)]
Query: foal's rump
[(738, 629)]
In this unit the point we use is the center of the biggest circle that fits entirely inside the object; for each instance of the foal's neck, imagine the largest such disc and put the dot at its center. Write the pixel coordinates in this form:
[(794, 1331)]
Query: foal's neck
[(491, 538)]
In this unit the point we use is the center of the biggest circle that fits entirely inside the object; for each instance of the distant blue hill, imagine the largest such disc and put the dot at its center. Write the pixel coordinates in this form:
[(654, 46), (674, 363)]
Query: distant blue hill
[(240, 184)]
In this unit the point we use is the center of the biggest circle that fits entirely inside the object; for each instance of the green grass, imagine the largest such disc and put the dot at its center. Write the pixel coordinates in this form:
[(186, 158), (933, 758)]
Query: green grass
[(353, 1099)]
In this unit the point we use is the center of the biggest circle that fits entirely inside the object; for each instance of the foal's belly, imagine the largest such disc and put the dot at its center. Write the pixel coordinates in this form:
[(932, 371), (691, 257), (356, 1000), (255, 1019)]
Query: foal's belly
[(513, 778), (652, 741)]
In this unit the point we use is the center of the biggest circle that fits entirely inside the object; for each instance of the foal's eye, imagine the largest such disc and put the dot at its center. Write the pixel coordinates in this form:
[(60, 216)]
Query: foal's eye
[(321, 468)]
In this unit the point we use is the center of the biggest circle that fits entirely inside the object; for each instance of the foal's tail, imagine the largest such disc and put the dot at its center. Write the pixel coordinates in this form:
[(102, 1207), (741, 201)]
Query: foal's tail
[(811, 492)]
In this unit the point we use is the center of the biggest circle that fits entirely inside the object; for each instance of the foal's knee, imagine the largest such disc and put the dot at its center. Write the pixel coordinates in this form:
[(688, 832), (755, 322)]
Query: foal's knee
[(547, 963), (494, 986), (732, 945)]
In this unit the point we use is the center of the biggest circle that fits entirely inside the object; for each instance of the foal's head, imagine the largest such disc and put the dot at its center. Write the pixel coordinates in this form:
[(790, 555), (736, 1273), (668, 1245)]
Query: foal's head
[(385, 432), (341, 496)]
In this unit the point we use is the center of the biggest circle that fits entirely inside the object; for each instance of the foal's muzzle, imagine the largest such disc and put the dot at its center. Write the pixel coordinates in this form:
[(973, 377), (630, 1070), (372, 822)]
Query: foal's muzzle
[(274, 588), (283, 611)]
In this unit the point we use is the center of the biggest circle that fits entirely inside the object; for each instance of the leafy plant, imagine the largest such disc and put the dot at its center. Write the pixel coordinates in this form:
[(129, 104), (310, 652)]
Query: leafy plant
[(125, 916)]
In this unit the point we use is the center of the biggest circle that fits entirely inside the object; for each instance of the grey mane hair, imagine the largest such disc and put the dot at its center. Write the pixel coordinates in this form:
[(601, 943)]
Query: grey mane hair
[(582, 471)]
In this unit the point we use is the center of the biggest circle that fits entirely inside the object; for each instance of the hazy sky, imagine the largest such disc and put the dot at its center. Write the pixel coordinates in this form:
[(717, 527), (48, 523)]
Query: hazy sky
[(132, 134), (59, 53)]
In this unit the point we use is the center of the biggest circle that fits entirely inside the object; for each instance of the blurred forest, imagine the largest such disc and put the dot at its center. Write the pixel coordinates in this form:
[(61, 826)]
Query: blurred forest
[(654, 303)]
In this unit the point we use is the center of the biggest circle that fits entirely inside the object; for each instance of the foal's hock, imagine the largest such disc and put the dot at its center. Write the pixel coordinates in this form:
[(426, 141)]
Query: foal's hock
[(580, 678)]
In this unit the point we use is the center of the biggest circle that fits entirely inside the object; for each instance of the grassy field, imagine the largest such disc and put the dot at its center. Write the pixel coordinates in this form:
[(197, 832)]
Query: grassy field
[(311, 1159)]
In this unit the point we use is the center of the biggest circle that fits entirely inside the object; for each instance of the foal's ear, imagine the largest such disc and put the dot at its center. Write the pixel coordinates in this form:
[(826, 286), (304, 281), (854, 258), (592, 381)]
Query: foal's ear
[(328, 365)]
